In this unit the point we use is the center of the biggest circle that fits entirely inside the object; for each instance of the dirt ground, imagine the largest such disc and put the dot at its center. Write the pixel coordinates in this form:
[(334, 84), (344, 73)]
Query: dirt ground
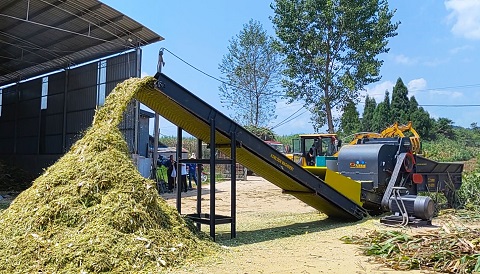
[(276, 233)]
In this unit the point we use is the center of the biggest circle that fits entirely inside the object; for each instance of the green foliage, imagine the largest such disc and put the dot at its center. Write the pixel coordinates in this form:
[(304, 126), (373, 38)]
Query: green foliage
[(400, 107), (421, 120), (468, 192), (287, 139), (331, 50), (447, 150), (444, 126), (251, 69), (263, 133), (368, 113), (382, 114), (350, 122)]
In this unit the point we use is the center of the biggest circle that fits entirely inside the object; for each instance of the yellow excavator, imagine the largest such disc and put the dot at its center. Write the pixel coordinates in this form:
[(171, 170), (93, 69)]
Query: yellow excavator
[(394, 130)]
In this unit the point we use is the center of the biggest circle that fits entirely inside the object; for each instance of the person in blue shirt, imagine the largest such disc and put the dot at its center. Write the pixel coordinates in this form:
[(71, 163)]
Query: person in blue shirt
[(192, 173)]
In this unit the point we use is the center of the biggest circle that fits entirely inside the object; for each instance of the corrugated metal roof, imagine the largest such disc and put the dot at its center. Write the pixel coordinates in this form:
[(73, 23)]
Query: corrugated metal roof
[(40, 36)]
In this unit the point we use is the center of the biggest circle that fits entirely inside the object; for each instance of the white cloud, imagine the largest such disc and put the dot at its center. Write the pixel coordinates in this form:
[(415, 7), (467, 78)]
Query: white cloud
[(460, 49), (378, 91), (465, 17), (446, 94), (404, 60), (144, 74), (416, 85)]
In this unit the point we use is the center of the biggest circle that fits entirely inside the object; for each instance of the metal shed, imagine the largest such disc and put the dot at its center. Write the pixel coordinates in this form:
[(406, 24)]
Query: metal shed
[(58, 61)]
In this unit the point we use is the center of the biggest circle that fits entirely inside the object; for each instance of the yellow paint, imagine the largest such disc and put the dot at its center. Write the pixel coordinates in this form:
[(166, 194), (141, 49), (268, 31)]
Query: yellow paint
[(346, 186)]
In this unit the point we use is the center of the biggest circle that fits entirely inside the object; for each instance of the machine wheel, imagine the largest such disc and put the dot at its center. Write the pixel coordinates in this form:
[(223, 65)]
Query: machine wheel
[(204, 177)]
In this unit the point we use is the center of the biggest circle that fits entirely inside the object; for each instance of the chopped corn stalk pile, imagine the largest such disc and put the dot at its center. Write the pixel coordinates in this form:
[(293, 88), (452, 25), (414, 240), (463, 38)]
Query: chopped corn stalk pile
[(93, 212)]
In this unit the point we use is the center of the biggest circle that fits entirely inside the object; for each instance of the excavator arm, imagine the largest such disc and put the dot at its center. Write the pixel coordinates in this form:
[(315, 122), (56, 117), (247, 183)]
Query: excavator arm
[(394, 130)]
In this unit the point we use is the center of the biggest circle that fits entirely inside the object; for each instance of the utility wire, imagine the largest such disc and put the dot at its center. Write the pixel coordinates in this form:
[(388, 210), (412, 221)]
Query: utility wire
[(288, 119), (204, 73)]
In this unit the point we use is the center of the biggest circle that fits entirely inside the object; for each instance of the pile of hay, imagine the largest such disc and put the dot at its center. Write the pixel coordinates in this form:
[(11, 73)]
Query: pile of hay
[(93, 212)]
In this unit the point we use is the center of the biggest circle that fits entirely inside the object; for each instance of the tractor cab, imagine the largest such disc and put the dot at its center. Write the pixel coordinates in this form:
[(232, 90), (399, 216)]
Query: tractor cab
[(316, 150)]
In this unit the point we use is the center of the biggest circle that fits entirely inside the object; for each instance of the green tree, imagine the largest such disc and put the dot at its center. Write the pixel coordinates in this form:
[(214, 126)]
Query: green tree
[(382, 115), (252, 70), (421, 121), (350, 121), (444, 126), (368, 112), (400, 107), (263, 133), (331, 50)]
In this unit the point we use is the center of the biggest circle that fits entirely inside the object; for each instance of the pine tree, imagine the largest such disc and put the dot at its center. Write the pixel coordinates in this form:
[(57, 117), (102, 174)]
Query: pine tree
[(400, 108), (421, 120), (368, 112), (350, 121), (444, 126), (382, 115)]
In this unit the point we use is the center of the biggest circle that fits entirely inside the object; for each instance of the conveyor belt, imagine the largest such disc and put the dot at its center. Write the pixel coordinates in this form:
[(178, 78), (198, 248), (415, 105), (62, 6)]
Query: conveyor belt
[(193, 115)]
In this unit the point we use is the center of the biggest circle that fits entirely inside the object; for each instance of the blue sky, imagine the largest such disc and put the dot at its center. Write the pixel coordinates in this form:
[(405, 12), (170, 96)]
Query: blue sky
[(436, 52)]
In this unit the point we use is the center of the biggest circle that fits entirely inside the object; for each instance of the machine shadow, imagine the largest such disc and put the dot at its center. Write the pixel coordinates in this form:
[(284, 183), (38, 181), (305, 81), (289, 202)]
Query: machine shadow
[(267, 234)]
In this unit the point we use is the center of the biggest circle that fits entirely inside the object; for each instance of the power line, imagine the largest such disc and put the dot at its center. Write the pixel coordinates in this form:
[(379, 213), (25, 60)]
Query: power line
[(202, 72), (289, 118), (453, 106), (440, 105), (451, 87)]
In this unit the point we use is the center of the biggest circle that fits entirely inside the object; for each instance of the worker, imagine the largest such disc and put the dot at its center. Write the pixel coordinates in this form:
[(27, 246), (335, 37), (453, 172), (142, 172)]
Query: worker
[(311, 156), (171, 173), (192, 173), (183, 170)]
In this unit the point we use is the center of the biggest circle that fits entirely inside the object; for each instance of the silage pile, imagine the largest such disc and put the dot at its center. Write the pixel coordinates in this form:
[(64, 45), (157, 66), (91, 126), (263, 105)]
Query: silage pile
[(93, 212)]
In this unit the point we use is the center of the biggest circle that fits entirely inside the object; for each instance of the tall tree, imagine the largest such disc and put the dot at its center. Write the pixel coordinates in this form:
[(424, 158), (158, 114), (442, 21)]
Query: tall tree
[(252, 70), (421, 121), (350, 121), (331, 49), (382, 115), (368, 112), (400, 103)]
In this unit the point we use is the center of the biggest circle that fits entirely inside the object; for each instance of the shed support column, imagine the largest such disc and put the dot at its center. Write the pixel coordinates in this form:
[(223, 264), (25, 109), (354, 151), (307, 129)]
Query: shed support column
[(233, 188), (212, 178), (178, 170), (199, 181)]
